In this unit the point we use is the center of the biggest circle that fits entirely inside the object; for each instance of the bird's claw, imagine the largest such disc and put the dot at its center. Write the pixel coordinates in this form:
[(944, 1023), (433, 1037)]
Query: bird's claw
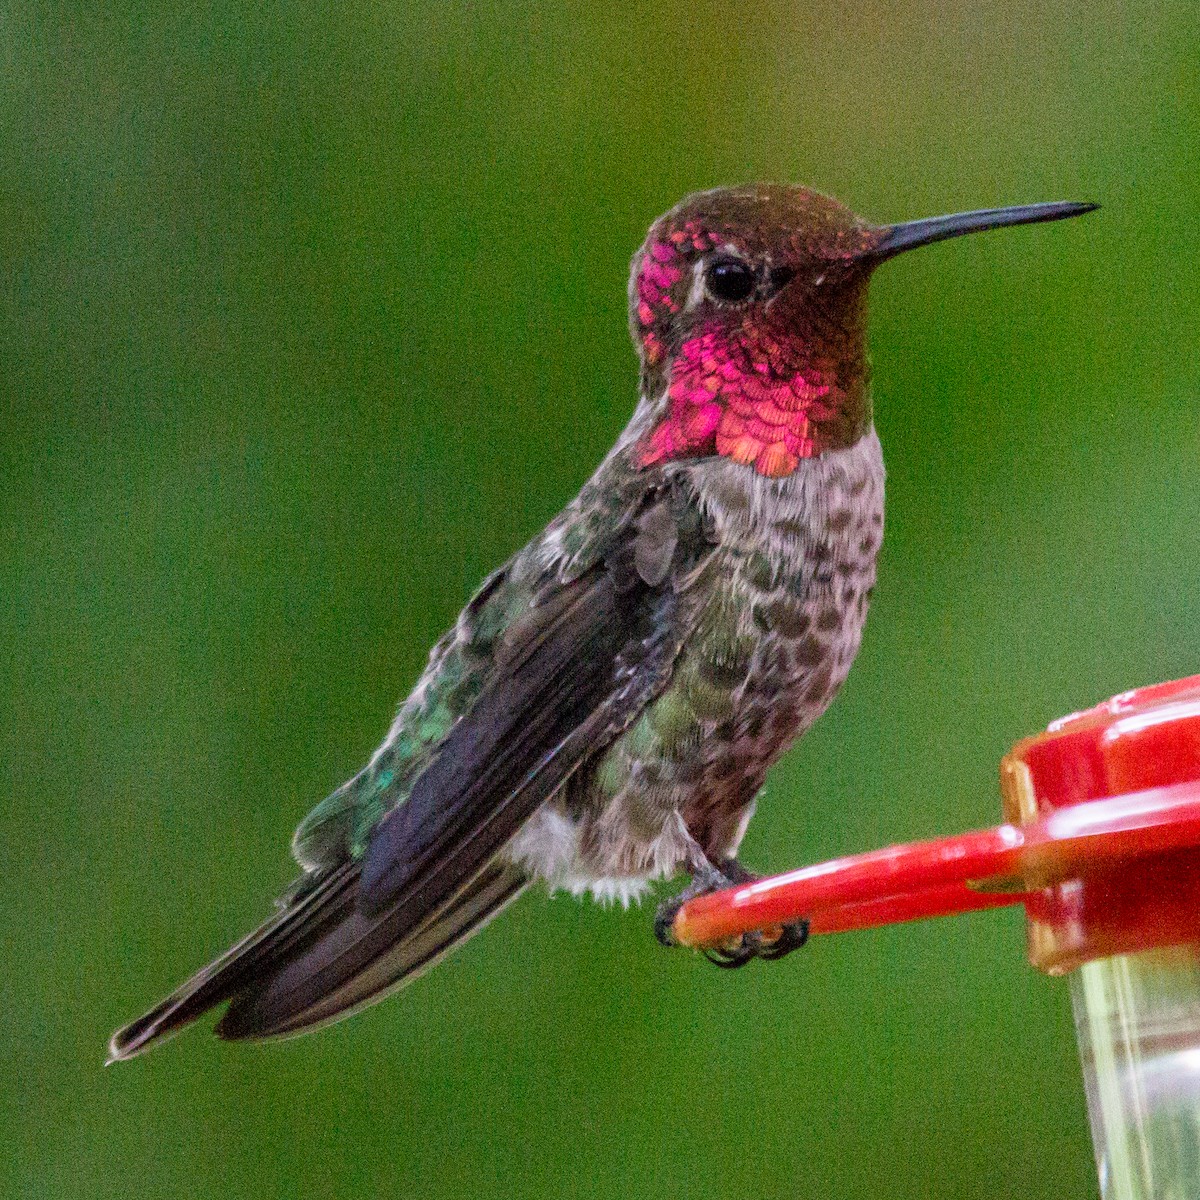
[(758, 945), (791, 937), (736, 953), (768, 944)]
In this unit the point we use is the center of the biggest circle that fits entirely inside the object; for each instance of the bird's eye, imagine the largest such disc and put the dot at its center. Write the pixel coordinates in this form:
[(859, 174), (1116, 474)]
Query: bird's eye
[(729, 280)]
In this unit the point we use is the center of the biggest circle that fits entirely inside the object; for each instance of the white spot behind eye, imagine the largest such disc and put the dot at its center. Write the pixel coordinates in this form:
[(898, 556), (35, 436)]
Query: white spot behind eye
[(820, 279), (696, 290)]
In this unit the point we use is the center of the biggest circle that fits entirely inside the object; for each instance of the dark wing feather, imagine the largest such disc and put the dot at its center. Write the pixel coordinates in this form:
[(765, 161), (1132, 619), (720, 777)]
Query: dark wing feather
[(595, 656), (240, 965), (259, 969), (288, 1002), (570, 674), (573, 673)]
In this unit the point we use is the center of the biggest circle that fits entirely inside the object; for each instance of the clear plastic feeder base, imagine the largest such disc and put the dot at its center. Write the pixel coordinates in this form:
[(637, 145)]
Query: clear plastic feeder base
[(1137, 1018)]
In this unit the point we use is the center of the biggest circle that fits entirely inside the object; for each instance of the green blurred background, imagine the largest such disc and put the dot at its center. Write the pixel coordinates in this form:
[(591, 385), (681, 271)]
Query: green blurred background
[(311, 314)]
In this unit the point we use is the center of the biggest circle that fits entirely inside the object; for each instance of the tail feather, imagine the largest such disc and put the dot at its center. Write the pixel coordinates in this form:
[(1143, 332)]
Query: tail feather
[(233, 970), (344, 971), (279, 977)]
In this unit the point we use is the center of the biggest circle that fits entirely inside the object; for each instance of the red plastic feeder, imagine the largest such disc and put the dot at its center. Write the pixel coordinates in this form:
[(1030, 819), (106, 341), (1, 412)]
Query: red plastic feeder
[(1102, 846)]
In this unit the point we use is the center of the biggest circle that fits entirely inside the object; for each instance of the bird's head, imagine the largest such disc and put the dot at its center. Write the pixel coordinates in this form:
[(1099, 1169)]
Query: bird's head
[(748, 309)]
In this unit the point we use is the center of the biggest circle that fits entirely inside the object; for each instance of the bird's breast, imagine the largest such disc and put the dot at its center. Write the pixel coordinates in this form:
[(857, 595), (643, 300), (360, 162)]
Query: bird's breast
[(782, 603), (797, 568)]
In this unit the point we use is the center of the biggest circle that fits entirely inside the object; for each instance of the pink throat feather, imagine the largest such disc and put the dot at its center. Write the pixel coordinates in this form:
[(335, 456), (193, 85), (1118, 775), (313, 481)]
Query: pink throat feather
[(734, 392), (731, 399)]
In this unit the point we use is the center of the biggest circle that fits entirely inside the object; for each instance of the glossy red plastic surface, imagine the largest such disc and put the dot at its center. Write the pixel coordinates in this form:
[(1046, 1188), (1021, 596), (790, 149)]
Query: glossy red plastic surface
[(1148, 738), (1102, 845)]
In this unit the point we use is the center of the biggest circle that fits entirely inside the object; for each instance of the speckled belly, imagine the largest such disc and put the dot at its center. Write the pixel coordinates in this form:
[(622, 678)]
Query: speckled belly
[(762, 666), (778, 631)]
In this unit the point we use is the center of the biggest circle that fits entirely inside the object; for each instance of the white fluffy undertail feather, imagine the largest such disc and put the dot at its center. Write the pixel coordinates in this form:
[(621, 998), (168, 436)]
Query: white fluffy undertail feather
[(550, 847)]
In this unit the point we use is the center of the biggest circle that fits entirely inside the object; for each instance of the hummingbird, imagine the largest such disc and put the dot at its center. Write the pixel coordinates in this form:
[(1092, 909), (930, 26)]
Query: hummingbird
[(603, 712)]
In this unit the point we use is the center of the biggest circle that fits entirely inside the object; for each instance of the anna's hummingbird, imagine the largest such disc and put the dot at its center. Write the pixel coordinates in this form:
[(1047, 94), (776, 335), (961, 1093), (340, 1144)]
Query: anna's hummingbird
[(604, 711)]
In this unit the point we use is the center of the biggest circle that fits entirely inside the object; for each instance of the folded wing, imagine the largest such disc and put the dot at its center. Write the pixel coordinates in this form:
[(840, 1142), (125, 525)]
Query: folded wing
[(566, 676)]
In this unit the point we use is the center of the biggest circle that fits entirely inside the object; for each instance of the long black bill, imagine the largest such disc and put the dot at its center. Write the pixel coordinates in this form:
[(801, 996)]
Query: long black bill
[(895, 239)]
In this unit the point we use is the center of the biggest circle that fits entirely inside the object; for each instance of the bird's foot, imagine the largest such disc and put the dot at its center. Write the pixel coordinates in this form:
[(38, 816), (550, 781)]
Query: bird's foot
[(767, 944), (706, 879)]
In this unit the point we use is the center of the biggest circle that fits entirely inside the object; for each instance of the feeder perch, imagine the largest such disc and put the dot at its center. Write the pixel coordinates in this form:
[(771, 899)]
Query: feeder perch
[(1101, 844)]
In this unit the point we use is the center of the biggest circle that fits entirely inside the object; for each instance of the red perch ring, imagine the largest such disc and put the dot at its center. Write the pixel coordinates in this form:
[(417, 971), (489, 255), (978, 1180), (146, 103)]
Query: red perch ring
[(1101, 844)]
